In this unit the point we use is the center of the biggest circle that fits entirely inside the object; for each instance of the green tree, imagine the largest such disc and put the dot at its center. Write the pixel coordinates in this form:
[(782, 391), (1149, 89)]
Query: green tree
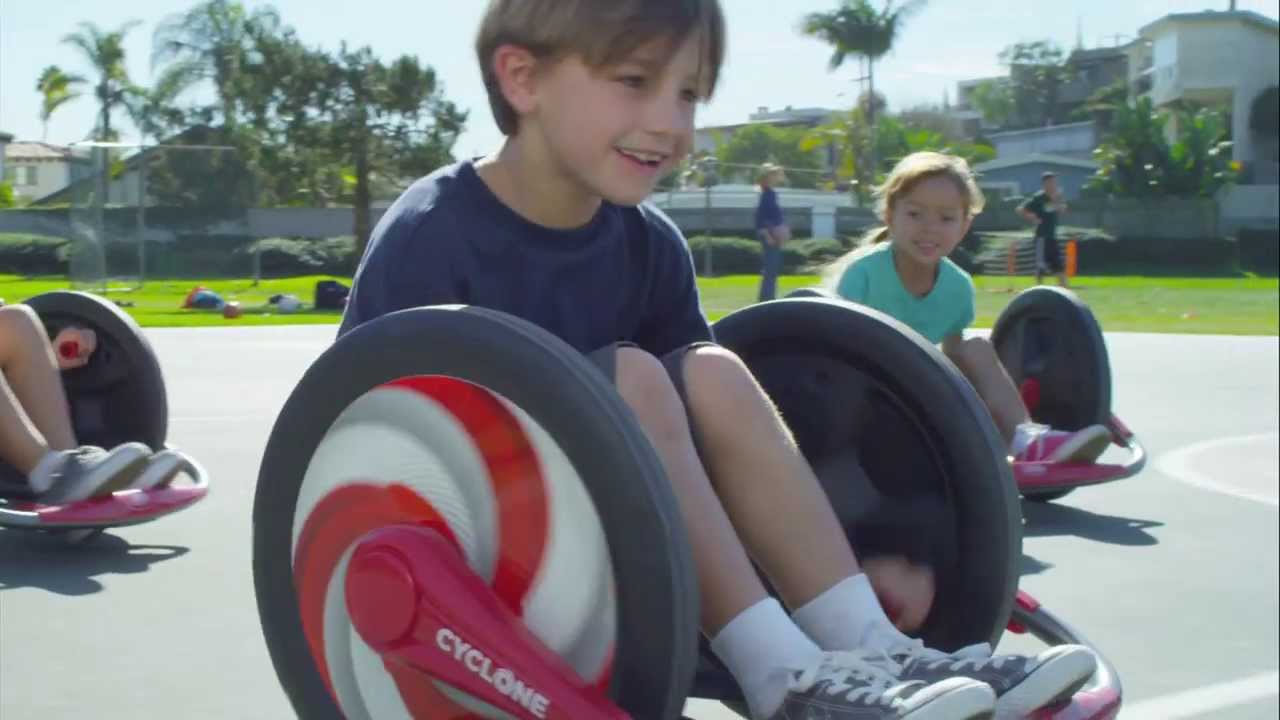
[(994, 99), (57, 88), (755, 145), (1037, 72), (387, 122), (856, 29), (104, 52), (215, 42)]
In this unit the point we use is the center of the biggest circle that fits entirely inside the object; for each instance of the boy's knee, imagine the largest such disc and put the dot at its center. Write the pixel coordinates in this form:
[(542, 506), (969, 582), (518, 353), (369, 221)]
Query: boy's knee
[(714, 375), (643, 383), (20, 319)]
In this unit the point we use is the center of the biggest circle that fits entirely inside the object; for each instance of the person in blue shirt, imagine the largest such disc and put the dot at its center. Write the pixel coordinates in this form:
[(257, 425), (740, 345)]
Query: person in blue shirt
[(597, 101), (927, 204), (771, 228)]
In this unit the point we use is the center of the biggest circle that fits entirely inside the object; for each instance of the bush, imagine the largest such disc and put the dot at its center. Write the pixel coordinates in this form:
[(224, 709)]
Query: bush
[(1203, 257), (1259, 251), (33, 254), (6, 195), (742, 256), (289, 257)]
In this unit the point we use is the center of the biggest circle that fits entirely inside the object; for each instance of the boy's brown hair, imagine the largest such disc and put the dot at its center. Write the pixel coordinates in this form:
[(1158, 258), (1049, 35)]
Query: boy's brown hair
[(602, 32)]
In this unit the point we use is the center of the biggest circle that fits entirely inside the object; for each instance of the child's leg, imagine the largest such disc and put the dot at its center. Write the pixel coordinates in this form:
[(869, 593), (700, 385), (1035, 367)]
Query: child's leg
[(789, 526), (750, 632), (978, 360), (729, 584), (33, 409)]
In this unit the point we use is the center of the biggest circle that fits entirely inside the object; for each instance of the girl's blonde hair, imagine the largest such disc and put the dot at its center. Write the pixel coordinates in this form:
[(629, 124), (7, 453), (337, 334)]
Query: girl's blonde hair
[(905, 176), (766, 171)]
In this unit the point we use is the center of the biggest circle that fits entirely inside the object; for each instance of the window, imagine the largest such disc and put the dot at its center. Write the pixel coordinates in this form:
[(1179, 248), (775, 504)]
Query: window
[(22, 175)]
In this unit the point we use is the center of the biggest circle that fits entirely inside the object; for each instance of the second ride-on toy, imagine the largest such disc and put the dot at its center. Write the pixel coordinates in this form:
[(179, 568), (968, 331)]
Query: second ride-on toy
[(1052, 346), (118, 396), (457, 516)]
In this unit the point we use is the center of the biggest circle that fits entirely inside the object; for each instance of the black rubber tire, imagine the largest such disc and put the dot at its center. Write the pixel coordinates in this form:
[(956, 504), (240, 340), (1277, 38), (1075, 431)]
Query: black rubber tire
[(812, 292), (1049, 333), (123, 375), (658, 607), (120, 395), (800, 350)]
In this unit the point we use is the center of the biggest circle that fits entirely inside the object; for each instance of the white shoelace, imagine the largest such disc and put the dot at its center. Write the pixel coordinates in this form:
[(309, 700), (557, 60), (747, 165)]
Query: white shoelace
[(975, 657), (873, 676)]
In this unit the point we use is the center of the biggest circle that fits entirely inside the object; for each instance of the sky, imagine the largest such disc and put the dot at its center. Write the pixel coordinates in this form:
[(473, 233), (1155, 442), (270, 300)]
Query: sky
[(769, 63)]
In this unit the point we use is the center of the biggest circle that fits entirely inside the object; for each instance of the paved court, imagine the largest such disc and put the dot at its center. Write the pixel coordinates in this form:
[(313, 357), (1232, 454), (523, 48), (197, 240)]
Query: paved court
[(1173, 573)]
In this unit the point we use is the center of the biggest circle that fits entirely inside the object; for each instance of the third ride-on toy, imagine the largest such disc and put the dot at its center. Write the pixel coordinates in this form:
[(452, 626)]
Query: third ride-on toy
[(457, 516), (119, 396)]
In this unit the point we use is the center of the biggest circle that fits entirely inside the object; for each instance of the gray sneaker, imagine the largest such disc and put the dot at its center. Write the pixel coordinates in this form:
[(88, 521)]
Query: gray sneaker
[(865, 686), (70, 476), (1022, 684)]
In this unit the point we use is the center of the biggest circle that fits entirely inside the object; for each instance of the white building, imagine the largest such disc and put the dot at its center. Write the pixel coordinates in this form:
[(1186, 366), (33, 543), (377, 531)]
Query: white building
[(1213, 58), (37, 169)]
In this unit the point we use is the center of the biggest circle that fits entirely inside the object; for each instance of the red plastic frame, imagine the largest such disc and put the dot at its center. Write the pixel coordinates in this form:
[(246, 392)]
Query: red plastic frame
[(414, 600), (1046, 476)]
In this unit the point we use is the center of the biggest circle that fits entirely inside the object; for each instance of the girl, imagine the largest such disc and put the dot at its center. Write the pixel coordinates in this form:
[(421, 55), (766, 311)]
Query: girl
[(772, 229), (927, 204)]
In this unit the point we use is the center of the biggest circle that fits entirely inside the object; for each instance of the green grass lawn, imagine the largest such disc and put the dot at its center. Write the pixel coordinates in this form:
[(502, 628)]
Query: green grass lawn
[(1238, 306)]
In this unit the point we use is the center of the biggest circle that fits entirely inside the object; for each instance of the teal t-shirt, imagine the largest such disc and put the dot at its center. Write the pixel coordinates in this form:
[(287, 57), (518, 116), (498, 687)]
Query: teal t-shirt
[(872, 280)]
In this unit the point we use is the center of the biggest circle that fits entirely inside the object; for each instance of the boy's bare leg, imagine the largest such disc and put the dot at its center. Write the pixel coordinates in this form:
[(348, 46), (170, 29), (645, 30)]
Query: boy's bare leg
[(727, 581), (978, 360), (33, 406), (763, 481)]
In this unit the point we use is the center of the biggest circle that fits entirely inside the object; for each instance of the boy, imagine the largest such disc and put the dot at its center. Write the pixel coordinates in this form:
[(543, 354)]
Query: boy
[(1042, 211), (597, 100)]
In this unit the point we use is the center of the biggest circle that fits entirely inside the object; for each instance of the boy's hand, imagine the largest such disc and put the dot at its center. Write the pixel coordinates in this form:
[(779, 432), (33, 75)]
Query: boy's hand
[(905, 590)]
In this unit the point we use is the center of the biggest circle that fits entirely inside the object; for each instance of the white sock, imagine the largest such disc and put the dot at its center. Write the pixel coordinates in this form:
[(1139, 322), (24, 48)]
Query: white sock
[(1023, 435), (761, 646), (42, 475), (849, 617)]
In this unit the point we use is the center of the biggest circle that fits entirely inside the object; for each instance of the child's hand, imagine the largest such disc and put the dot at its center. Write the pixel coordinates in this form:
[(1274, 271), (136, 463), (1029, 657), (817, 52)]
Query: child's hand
[(905, 590), (73, 346)]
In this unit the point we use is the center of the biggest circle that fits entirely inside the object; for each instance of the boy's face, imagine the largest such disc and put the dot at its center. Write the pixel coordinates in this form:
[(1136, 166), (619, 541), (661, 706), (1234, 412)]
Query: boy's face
[(1051, 185), (929, 221), (616, 130)]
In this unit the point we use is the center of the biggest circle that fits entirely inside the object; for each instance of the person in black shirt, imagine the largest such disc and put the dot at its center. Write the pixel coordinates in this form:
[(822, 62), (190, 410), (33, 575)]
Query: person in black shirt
[(1042, 210)]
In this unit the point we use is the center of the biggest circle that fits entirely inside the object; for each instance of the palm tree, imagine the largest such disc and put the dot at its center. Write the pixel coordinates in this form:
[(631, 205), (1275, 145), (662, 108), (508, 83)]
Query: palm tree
[(212, 41), (859, 30), (58, 89), (105, 53)]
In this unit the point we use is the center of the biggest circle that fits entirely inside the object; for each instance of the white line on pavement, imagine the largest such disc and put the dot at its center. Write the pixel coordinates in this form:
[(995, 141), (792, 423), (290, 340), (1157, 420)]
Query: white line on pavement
[(1178, 465), (1207, 699)]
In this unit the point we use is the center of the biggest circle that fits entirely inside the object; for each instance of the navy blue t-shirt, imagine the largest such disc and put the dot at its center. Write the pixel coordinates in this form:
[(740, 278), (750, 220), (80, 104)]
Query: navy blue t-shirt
[(768, 211), (627, 275)]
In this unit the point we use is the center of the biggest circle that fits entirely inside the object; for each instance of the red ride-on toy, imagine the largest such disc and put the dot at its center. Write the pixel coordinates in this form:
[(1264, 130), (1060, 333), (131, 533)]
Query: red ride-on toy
[(1051, 344), (118, 396), (457, 517)]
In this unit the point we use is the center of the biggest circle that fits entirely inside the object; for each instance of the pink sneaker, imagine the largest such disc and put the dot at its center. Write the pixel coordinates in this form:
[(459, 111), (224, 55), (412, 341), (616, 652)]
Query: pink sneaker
[(1057, 446)]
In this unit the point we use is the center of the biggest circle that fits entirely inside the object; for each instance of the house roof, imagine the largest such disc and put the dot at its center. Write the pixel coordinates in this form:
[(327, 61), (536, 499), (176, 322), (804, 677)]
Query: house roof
[(1035, 159), (26, 150), (1246, 16)]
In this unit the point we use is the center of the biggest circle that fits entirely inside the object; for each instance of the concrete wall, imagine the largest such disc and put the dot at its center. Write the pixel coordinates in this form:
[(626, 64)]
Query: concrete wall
[(1251, 207), (1072, 140)]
